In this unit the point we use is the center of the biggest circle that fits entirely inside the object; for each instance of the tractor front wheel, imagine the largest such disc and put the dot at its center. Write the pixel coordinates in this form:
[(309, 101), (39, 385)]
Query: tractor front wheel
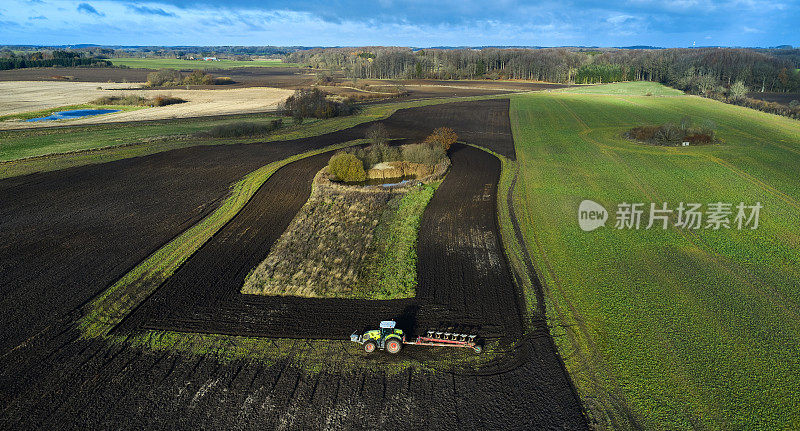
[(477, 348), (370, 346), (393, 346)]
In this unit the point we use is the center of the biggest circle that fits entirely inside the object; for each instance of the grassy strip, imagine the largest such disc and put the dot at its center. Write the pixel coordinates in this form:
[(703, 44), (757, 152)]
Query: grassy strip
[(59, 148), (314, 356), (106, 311), (176, 63), (394, 274), (46, 112)]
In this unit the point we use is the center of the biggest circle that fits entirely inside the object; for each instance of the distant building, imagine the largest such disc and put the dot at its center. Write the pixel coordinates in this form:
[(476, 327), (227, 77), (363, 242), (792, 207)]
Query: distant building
[(210, 59)]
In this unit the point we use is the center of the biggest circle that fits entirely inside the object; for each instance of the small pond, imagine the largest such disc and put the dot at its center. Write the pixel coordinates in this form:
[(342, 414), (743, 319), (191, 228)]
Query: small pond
[(386, 182), (75, 113)]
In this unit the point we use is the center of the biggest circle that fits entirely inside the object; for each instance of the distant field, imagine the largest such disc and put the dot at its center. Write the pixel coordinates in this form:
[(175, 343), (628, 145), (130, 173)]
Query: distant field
[(640, 88), (25, 97), (38, 142), (666, 329), (174, 63), (66, 146)]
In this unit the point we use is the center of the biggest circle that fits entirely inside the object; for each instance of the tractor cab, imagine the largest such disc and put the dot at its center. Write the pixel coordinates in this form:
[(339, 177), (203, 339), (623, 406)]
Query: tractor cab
[(387, 328)]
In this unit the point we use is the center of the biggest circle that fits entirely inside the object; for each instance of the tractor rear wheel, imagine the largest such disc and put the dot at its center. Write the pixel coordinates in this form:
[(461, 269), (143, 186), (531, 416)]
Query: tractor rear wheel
[(370, 346), (393, 345)]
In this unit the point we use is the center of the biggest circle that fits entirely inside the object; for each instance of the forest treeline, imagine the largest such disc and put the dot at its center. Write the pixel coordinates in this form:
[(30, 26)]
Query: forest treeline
[(688, 69), (11, 60)]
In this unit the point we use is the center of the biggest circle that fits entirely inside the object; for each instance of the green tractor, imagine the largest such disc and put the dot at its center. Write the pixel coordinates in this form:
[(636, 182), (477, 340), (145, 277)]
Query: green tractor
[(386, 338)]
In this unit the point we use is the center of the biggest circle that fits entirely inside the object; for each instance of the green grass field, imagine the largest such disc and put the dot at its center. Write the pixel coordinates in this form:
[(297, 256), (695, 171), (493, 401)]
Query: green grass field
[(174, 63), (638, 88), (666, 329)]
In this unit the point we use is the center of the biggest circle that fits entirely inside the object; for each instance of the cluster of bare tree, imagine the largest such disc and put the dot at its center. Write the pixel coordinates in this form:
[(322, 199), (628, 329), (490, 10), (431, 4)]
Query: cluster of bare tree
[(759, 70)]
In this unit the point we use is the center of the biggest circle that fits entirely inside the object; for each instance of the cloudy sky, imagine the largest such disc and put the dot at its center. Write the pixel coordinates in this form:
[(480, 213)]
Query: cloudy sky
[(421, 23)]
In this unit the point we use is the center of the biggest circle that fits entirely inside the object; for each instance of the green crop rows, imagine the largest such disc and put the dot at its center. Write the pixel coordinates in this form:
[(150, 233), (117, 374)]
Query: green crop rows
[(667, 329)]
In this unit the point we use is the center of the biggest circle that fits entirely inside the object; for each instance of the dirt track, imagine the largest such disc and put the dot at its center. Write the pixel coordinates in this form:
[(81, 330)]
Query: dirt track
[(105, 218)]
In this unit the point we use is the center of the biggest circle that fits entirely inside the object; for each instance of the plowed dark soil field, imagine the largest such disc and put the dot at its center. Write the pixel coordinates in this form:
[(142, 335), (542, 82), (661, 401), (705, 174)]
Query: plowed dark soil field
[(463, 275), (66, 235)]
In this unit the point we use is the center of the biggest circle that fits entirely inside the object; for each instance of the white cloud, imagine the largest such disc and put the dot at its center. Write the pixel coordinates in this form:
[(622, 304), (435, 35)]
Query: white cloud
[(222, 26), (619, 19), (548, 23)]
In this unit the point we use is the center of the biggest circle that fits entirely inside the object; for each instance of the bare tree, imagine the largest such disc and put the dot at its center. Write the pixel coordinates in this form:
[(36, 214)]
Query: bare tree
[(377, 134)]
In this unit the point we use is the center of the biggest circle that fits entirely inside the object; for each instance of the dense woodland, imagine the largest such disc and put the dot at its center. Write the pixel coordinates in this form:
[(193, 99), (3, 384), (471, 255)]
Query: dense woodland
[(689, 69), (12, 60), (241, 53)]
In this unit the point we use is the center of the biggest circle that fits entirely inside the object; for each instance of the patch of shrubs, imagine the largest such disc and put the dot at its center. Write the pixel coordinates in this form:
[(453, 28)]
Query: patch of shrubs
[(377, 153), (424, 153), (240, 129), (672, 135), (315, 103), (162, 100), (223, 80), (443, 137), (347, 167), (134, 100), (129, 100), (197, 77), (430, 152), (164, 78), (173, 78)]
